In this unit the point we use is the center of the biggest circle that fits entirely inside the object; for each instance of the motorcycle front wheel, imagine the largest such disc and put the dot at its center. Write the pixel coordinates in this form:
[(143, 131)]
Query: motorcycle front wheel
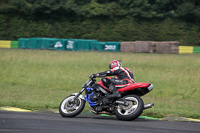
[(71, 109), (132, 110)]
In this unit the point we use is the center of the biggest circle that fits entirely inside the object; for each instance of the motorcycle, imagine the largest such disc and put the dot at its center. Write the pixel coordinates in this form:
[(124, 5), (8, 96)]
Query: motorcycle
[(128, 107)]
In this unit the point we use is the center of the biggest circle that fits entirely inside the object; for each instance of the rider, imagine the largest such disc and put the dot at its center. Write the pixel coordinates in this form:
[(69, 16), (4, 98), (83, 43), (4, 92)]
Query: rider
[(123, 77)]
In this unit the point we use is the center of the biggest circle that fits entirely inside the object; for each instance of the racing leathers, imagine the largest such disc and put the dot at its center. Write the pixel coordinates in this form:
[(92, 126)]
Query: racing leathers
[(123, 77)]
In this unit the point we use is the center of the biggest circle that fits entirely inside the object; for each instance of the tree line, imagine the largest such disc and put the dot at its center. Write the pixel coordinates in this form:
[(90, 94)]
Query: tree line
[(104, 20)]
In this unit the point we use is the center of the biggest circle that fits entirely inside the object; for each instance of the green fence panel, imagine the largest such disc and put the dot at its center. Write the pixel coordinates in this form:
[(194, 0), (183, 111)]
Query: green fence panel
[(35, 43), (48, 43), (97, 46), (78, 44), (196, 50), (84, 45), (14, 44), (71, 45), (23, 43), (112, 46), (60, 44)]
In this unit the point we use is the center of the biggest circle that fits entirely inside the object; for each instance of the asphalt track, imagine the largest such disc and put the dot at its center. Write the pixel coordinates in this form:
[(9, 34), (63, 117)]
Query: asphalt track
[(29, 122)]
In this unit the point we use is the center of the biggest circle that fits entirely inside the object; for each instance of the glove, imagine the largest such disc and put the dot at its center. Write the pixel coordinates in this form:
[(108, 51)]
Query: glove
[(94, 75)]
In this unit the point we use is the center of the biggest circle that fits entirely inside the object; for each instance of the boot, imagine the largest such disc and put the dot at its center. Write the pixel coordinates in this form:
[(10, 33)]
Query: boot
[(115, 92)]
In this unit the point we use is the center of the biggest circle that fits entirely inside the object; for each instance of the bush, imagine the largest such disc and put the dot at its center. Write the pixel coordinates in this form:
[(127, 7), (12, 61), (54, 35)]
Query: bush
[(107, 29)]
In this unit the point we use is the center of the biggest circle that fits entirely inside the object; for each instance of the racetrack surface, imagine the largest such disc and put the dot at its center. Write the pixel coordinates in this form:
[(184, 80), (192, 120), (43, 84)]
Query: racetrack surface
[(29, 122)]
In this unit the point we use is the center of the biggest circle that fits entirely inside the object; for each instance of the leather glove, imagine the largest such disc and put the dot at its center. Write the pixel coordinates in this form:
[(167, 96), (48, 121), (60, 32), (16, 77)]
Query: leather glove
[(94, 75)]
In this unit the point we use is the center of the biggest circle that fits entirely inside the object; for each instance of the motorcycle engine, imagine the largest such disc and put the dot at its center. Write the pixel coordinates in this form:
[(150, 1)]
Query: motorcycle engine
[(94, 97), (96, 100)]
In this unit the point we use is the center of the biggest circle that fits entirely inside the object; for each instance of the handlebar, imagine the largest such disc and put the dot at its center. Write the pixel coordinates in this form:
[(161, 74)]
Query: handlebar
[(92, 76)]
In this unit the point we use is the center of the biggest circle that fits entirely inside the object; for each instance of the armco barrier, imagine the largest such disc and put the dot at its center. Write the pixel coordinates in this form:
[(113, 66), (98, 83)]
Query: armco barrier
[(196, 50), (8, 44), (14, 44), (5, 44), (186, 49), (170, 47)]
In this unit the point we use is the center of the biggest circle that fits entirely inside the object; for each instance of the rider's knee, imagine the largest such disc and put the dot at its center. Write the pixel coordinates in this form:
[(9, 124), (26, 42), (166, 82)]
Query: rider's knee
[(106, 81)]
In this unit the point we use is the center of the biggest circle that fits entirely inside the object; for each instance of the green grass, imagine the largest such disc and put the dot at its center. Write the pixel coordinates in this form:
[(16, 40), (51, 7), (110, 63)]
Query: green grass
[(37, 79)]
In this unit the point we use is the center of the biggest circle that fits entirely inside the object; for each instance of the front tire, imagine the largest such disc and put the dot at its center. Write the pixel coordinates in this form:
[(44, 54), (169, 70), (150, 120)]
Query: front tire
[(69, 109), (132, 111)]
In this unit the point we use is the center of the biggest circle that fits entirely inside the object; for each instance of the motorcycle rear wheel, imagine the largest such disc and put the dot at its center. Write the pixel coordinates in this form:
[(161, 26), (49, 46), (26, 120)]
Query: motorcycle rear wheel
[(132, 111), (71, 109)]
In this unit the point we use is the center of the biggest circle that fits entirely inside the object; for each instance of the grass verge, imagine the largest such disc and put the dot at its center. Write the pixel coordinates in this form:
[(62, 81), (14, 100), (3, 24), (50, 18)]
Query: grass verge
[(36, 79)]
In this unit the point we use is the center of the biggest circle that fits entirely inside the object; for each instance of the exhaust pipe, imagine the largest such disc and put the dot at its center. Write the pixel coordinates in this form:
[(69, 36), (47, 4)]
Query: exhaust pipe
[(148, 105), (122, 103)]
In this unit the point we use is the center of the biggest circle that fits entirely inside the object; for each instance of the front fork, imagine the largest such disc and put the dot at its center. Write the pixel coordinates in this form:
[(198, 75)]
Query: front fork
[(78, 95)]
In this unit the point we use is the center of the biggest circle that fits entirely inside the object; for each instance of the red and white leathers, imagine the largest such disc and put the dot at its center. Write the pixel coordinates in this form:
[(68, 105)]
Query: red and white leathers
[(123, 77)]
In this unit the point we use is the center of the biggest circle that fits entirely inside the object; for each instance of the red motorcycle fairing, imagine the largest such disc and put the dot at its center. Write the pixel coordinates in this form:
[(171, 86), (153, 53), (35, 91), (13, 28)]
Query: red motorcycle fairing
[(134, 86), (127, 88), (102, 85)]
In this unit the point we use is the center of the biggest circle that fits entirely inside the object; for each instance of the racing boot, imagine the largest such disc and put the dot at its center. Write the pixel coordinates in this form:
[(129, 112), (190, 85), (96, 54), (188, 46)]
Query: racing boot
[(115, 92)]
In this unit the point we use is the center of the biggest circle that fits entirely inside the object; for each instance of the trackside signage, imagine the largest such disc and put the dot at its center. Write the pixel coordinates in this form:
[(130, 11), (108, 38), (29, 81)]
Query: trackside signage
[(58, 45), (110, 47), (70, 45)]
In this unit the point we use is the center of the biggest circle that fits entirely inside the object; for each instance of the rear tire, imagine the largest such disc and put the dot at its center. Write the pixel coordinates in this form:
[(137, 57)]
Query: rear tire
[(68, 109), (132, 111)]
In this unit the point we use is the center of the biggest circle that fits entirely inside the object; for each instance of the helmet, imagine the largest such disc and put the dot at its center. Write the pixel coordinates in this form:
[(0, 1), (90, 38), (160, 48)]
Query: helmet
[(114, 64)]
